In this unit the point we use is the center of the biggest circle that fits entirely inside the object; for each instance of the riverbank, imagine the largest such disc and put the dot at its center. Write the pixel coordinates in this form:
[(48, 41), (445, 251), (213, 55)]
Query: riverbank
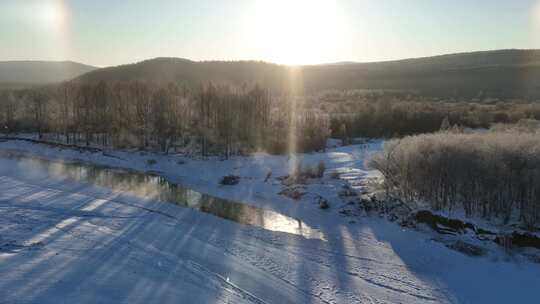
[(259, 174), (67, 241)]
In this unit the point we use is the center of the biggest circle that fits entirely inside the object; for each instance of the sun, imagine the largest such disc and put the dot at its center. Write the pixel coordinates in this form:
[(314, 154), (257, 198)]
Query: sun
[(52, 14), (296, 32), (52, 17)]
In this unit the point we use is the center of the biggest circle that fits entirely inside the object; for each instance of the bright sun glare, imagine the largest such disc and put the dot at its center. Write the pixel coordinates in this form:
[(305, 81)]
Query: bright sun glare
[(52, 14), (297, 32)]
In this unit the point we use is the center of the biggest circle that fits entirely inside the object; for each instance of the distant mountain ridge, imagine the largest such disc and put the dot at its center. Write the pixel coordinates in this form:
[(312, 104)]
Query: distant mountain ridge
[(499, 73), (469, 59), (40, 72)]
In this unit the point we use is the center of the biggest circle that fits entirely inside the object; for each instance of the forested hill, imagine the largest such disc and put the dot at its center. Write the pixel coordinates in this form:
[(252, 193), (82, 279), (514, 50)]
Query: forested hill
[(503, 73), (28, 73), (192, 73)]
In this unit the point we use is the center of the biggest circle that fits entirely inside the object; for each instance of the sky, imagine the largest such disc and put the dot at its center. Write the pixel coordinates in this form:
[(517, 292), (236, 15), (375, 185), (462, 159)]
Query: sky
[(106, 32)]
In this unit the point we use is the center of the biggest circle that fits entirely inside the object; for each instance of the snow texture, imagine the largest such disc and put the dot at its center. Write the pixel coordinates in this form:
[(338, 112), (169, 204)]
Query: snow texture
[(63, 241)]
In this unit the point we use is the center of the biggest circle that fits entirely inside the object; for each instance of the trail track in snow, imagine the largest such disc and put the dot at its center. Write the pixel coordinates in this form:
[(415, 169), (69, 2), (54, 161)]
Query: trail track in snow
[(84, 227)]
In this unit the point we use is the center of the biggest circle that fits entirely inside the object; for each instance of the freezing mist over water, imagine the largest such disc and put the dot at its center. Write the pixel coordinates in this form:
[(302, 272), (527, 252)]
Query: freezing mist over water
[(151, 186)]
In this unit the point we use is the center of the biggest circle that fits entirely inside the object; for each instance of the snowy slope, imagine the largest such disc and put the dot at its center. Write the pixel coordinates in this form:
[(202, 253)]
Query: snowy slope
[(62, 242)]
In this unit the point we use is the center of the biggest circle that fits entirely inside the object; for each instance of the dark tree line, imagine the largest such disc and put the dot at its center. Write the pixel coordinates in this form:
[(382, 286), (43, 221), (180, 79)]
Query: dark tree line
[(381, 116), (210, 120)]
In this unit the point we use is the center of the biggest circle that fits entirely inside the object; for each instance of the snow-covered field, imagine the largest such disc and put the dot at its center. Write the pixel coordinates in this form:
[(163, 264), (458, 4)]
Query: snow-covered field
[(64, 241)]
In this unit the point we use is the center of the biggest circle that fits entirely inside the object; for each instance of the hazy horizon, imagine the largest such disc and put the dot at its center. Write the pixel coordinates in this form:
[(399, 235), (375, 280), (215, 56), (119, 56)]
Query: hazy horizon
[(297, 32), (270, 62)]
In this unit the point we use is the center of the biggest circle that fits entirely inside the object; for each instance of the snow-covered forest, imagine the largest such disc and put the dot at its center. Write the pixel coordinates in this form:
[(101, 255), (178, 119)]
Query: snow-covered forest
[(490, 173), (494, 175)]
